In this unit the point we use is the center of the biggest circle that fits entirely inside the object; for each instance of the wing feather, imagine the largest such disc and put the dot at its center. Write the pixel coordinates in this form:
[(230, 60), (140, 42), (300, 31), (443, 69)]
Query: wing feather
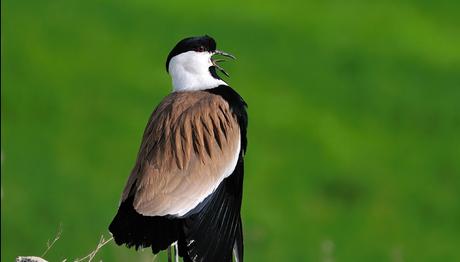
[(190, 145)]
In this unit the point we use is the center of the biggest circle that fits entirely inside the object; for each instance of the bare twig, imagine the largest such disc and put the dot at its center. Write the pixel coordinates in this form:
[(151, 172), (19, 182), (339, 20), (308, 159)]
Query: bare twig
[(90, 256), (49, 244)]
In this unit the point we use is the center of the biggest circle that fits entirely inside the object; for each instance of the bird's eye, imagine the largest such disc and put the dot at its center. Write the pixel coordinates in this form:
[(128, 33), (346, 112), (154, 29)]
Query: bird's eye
[(199, 49)]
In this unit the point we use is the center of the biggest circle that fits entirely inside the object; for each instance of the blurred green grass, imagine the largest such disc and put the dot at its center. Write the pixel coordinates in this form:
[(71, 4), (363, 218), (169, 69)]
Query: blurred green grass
[(354, 122)]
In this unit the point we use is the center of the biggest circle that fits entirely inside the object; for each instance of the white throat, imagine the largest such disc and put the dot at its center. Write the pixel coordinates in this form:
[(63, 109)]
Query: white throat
[(190, 72)]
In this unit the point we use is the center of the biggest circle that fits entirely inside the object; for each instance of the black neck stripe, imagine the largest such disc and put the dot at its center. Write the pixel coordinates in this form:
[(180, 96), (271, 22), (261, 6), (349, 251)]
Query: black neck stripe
[(238, 107)]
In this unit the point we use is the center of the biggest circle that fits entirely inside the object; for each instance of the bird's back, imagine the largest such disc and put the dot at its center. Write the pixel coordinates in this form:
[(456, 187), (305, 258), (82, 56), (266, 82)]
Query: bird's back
[(186, 185)]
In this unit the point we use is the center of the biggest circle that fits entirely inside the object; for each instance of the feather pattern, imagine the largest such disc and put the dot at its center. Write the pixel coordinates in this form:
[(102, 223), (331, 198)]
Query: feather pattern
[(190, 145)]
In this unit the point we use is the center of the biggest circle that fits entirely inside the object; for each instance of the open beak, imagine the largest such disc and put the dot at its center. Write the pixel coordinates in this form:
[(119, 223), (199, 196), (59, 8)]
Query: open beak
[(215, 61), (222, 53)]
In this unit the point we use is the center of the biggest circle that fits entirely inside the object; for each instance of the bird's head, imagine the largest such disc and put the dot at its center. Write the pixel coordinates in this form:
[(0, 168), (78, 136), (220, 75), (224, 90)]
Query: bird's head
[(192, 66)]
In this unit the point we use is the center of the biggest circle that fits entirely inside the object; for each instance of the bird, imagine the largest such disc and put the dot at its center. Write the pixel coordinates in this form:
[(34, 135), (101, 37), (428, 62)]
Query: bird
[(186, 186)]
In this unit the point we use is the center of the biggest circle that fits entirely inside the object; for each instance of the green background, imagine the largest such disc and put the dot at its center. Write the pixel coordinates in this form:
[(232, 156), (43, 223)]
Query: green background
[(354, 130)]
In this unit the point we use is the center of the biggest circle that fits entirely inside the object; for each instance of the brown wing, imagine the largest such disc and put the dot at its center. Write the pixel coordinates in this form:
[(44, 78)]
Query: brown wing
[(190, 145)]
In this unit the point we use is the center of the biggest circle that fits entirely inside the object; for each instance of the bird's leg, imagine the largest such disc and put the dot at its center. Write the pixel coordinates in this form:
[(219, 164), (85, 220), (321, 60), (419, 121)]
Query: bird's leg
[(169, 254), (176, 251)]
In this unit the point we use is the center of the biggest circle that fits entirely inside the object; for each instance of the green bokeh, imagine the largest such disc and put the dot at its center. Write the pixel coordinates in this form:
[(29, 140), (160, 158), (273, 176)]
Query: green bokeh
[(354, 132)]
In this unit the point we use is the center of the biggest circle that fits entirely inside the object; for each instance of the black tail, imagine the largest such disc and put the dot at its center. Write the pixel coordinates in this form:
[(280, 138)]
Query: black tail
[(209, 235), (133, 229)]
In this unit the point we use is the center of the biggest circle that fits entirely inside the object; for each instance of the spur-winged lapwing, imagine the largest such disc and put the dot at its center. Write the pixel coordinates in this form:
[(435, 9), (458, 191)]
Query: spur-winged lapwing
[(186, 185)]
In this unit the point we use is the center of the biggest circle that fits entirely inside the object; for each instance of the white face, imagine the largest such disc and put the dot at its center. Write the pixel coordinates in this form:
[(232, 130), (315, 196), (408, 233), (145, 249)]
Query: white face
[(190, 72)]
